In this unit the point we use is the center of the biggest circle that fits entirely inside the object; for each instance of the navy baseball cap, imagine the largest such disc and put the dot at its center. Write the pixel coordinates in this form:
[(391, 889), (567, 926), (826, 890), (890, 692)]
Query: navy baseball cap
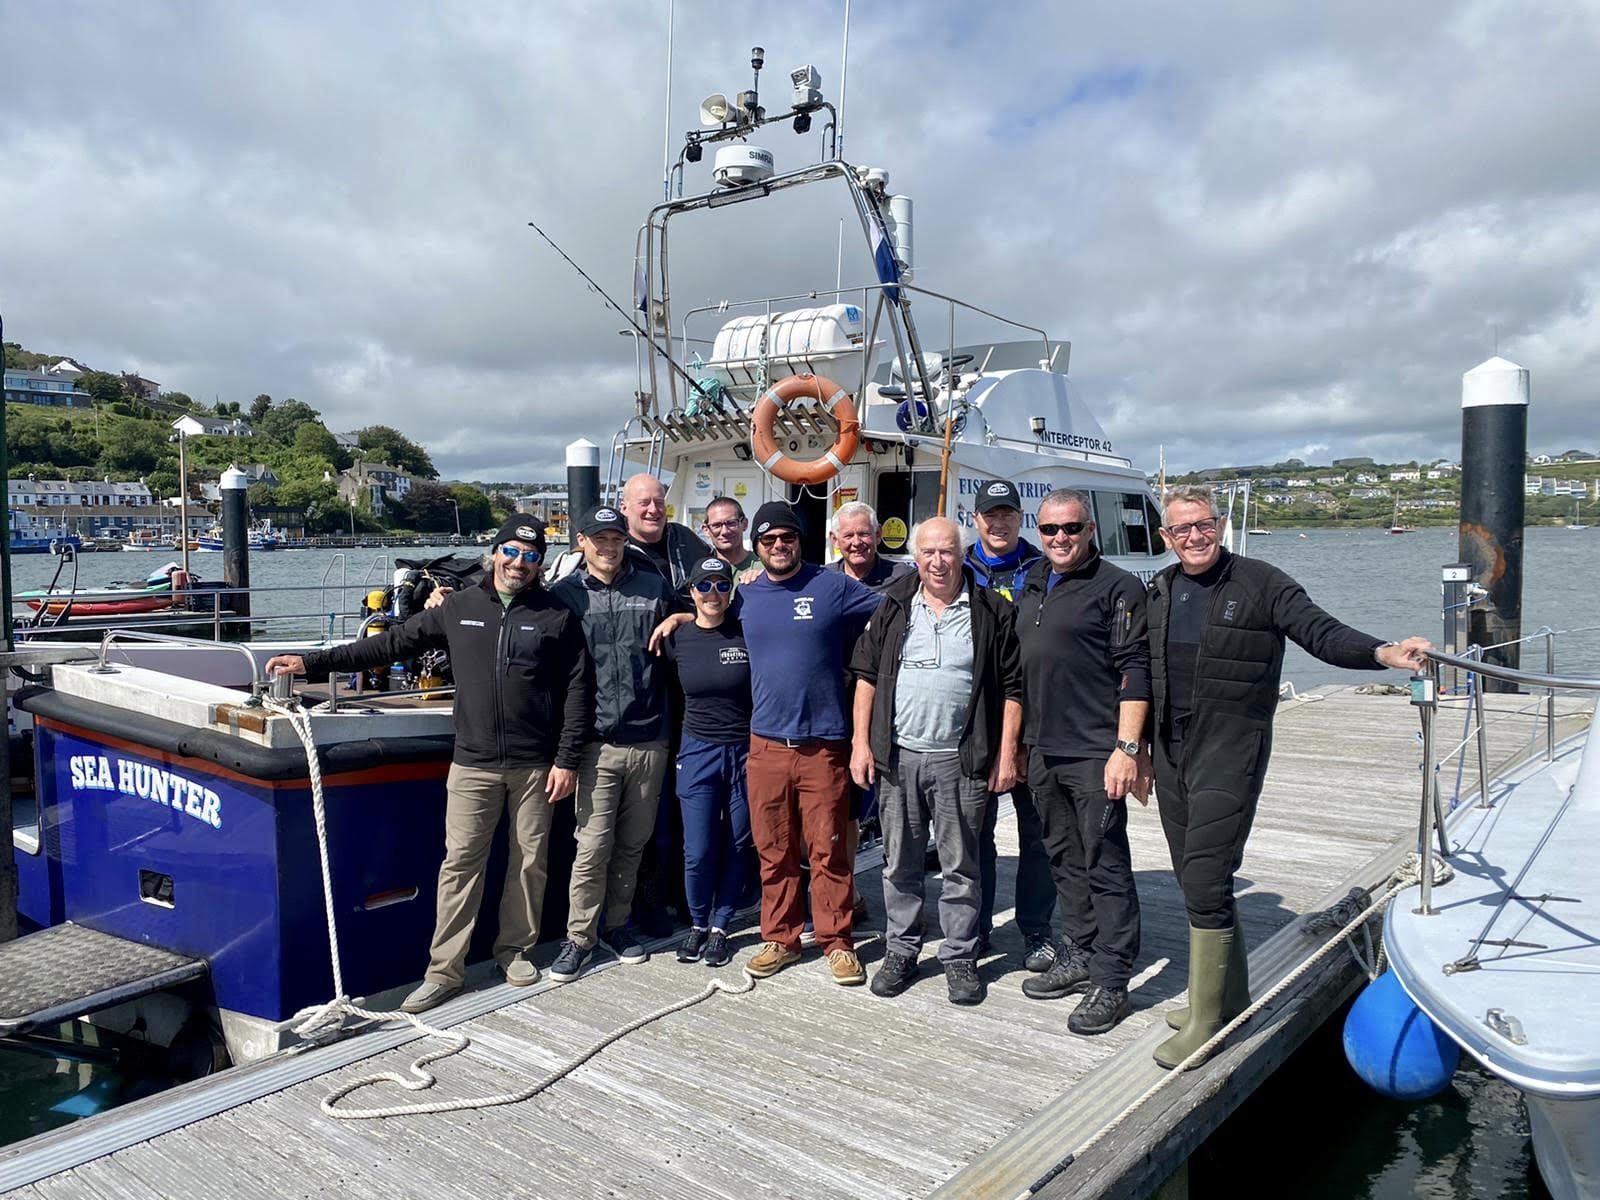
[(601, 518), (710, 568), (998, 493)]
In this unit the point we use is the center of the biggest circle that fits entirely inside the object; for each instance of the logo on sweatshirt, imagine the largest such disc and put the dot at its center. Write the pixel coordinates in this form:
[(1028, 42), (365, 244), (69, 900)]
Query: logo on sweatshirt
[(732, 656), (1228, 610), (802, 608)]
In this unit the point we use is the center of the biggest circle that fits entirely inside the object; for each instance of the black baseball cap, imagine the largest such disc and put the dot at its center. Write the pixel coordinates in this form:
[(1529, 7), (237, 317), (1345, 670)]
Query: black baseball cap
[(710, 568), (601, 518), (775, 514), (998, 493), (522, 527)]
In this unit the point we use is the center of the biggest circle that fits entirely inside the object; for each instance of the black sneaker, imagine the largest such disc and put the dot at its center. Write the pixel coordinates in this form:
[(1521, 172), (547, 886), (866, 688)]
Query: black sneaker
[(961, 977), (626, 944), (1066, 976), (1099, 1011), (1038, 956), (570, 962), (716, 952), (693, 945), (895, 974)]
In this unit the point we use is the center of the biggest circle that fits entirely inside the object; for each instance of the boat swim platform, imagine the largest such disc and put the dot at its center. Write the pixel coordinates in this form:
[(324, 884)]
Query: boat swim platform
[(802, 1088), (59, 973)]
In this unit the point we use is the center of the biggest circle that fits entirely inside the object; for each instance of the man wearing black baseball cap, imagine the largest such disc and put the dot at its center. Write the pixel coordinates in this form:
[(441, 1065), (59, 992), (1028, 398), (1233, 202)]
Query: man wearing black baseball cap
[(1000, 558), (800, 622), (618, 604), (524, 683)]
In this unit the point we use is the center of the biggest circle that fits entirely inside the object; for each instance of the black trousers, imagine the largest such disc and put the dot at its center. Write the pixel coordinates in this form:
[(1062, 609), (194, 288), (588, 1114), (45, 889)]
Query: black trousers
[(1207, 818), (1086, 840), (1036, 891)]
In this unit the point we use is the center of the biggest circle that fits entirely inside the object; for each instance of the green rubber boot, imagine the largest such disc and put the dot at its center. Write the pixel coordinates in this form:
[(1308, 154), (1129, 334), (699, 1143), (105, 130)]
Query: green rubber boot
[(1238, 998), (1217, 982)]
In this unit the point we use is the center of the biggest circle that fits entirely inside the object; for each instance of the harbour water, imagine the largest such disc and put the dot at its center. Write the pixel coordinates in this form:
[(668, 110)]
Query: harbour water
[(1470, 1141)]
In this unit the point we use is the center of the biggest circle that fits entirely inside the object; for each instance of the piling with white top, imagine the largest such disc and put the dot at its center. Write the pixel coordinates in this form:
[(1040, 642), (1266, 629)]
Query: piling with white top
[(583, 480), (236, 538), (1494, 446)]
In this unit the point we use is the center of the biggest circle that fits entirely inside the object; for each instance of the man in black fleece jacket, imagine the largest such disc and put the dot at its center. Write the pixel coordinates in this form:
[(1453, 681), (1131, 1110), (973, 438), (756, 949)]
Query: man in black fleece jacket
[(524, 689), (1086, 694), (1217, 629)]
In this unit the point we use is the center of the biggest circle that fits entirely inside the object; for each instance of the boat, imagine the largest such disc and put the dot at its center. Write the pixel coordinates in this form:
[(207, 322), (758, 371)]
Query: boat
[(827, 394), (1394, 522), (151, 594), (41, 543), (1576, 522), (147, 540), (260, 537), (1258, 530), (1504, 957)]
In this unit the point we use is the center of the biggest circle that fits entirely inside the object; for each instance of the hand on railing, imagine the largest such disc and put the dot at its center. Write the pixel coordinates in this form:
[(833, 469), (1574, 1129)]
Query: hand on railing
[(1409, 655), (285, 664)]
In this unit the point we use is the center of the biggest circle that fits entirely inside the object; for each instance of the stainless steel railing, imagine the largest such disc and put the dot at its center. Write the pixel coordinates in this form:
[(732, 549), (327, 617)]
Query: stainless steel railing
[(1425, 695)]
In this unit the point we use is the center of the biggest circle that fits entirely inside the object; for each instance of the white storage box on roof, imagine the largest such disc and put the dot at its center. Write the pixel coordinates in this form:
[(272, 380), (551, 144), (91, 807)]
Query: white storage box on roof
[(828, 340)]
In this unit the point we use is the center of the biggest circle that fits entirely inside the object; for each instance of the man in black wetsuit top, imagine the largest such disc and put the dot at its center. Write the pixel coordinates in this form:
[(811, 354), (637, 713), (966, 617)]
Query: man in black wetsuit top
[(1217, 627)]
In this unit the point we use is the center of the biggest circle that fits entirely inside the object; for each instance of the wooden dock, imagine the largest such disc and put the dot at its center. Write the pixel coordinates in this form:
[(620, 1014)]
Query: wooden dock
[(802, 1088)]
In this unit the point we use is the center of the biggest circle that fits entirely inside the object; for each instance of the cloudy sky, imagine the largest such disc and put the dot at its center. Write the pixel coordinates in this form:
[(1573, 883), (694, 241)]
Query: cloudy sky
[(1268, 229)]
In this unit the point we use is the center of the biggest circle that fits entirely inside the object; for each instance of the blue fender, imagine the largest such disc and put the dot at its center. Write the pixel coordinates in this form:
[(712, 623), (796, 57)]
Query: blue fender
[(1394, 1046)]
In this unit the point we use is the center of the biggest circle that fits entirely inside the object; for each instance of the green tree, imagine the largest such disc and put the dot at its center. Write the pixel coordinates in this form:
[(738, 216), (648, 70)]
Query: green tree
[(132, 447), (312, 440), (281, 422), (476, 512), (162, 483), (259, 407), (427, 507), (105, 387), (382, 442)]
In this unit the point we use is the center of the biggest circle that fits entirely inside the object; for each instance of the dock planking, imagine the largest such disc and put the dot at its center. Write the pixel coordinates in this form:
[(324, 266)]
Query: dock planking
[(803, 1088)]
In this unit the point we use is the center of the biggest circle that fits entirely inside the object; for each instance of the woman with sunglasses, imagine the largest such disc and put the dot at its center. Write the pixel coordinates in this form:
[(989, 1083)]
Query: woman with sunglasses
[(713, 668)]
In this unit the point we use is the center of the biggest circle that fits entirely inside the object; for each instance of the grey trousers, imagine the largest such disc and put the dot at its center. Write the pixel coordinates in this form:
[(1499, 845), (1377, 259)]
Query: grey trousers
[(474, 799), (619, 789), (918, 791)]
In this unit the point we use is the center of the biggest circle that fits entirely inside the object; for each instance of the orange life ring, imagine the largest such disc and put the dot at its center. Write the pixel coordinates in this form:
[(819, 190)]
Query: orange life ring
[(834, 400)]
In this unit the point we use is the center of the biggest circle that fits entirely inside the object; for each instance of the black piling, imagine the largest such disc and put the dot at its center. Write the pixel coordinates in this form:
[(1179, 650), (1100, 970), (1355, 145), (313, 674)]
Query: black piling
[(583, 480), (1494, 445), (236, 540)]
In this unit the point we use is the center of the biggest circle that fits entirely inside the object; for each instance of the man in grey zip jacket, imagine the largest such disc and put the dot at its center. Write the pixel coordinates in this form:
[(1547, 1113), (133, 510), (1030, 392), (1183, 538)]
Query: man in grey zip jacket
[(1217, 629), (619, 779)]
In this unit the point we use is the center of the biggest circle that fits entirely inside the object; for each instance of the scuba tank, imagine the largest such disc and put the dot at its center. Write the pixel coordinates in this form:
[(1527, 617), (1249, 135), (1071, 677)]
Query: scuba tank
[(377, 620)]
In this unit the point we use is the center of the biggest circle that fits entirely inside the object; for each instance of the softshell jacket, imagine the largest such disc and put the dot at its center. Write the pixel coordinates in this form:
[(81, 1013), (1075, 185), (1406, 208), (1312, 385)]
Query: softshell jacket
[(1254, 606), (996, 673), (630, 702), (524, 679)]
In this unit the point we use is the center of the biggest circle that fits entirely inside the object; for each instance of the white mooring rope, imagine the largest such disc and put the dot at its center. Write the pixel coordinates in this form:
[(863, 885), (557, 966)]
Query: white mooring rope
[(326, 1019), (1407, 874)]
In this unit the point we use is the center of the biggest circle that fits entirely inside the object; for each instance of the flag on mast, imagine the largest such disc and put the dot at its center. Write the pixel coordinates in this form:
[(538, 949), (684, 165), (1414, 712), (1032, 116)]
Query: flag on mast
[(888, 266)]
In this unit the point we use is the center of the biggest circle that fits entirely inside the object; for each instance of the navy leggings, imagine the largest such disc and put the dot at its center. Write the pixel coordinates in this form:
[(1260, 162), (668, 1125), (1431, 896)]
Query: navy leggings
[(719, 866)]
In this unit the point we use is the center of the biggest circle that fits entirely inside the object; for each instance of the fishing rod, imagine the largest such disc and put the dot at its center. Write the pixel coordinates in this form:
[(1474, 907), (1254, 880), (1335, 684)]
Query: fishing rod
[(623, 313)]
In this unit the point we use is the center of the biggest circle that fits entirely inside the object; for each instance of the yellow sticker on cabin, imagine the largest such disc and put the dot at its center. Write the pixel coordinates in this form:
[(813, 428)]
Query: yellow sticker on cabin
[(843, 496), (894, 533), (740, 491)]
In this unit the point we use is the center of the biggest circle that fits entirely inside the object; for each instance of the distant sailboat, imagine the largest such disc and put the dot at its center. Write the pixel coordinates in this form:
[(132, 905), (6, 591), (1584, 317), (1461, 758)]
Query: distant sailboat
[(1394, 523), (1258, 530), (1576, 522)]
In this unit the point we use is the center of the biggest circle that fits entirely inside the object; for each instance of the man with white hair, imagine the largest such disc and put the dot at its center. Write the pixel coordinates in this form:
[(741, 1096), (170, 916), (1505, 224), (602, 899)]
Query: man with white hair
[(854, 529), (938, 715)]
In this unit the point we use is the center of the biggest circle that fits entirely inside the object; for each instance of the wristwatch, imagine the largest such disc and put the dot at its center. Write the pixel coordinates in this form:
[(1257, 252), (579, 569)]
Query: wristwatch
[(1377, 653), (1131, 749)]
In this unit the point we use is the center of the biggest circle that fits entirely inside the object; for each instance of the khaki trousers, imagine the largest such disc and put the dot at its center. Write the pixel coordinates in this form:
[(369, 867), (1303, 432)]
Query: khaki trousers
[(619, 789), (474, 800)]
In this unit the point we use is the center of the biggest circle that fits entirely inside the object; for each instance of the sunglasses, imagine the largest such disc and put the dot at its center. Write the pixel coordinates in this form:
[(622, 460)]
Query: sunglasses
[(1051, 528), (706, 586), (776, 539), (511, 554), (1206, 527)]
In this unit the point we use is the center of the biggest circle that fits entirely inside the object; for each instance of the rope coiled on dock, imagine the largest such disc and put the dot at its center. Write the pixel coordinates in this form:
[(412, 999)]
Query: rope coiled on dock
[(325, 1020)]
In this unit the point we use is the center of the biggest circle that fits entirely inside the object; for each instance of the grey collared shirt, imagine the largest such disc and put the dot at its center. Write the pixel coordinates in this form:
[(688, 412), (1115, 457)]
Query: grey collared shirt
[(934, 686)]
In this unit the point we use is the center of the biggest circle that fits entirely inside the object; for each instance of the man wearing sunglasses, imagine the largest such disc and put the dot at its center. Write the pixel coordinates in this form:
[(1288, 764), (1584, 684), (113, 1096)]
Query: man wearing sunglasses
[(524, 687), (1086, 694), (1217, 629), (800, 623), (619, 604), (1000, 559)]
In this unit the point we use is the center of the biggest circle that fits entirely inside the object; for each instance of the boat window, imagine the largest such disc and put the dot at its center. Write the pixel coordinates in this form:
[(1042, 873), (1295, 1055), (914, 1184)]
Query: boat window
[(906, 497), (1108, 523), (1139, 534), (25, 824), (1152, 519)]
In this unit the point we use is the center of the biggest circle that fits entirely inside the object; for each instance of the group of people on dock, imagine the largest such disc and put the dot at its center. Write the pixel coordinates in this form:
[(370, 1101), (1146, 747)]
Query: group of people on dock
[(755, 710)]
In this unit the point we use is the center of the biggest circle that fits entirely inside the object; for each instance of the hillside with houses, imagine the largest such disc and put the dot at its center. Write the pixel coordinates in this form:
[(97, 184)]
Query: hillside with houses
[(1359, 491), (100, 454)]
